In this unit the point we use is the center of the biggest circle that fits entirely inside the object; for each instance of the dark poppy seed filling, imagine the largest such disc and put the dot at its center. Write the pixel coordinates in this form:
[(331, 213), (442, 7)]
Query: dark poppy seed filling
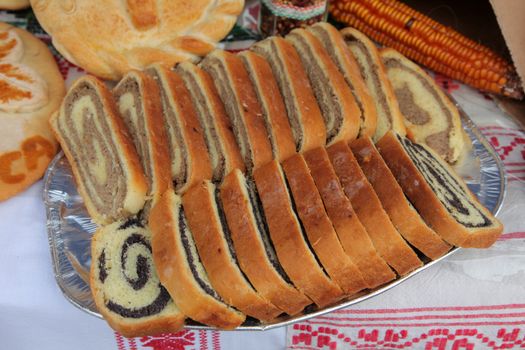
[(102, 271), (262, 225), (450, 193), (224, 226), (154, 308), (131, 222), (142, 266), (190, 250), (303, 231), (131, 260)]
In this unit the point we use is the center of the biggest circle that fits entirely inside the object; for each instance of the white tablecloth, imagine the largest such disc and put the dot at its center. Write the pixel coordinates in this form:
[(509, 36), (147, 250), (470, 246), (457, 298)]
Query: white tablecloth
[(472, 300)]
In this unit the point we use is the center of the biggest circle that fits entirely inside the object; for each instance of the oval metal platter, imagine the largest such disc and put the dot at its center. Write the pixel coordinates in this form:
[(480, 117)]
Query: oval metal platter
[(70, 228)]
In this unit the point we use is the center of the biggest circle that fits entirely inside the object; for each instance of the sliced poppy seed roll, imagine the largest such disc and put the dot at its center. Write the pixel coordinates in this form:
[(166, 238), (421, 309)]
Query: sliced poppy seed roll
[(125, 285), (180, 268), (439, 194)]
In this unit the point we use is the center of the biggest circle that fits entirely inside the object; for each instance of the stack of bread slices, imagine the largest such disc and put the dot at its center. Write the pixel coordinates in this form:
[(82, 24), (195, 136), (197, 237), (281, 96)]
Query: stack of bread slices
[(257, 184)]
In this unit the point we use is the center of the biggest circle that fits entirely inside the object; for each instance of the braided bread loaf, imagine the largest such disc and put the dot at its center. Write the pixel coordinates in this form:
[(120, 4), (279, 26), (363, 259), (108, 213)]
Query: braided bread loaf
[(134, 34)]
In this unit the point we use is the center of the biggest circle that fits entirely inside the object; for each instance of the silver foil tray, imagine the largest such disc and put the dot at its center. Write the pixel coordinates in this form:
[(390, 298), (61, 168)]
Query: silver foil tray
[(70, 228)]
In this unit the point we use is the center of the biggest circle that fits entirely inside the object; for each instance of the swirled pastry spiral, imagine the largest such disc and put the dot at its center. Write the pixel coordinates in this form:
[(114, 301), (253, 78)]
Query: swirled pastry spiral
[(100, 151), (124, 282), (439, 194)]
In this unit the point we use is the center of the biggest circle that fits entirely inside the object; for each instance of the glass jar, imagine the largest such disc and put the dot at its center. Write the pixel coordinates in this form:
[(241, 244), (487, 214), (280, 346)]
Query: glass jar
[(279, 17)]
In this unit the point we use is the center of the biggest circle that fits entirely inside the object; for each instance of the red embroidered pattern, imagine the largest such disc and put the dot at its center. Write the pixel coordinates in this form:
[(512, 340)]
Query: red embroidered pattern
[(510, 145), (454, 328), (183, 340)]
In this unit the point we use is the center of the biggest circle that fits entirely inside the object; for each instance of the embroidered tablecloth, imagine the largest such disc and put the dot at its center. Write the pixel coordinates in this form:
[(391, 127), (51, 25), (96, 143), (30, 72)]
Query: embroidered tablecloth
[(474, 299)]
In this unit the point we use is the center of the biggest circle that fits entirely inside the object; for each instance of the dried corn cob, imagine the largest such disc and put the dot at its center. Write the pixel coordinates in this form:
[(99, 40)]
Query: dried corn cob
[(427, 42)]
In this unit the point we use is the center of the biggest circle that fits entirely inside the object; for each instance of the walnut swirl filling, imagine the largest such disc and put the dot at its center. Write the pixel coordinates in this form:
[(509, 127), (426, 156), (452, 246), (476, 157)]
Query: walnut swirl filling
[(98, 160)]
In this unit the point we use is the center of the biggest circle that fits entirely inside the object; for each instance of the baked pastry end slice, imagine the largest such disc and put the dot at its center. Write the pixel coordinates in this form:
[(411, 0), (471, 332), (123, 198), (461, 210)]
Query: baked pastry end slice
[(430, 117), (439, 194), (125, 285)]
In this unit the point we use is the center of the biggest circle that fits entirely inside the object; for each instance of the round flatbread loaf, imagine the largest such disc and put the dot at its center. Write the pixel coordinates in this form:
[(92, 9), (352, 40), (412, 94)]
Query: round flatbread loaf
[(31, 89), (13, 4), (109, 37)]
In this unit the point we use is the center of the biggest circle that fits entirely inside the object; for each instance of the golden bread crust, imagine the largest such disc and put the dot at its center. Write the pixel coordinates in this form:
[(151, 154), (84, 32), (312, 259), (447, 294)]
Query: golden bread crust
[(319, 229), (427, 203), (308, 110), (133, 34), (199, 167), (387, 240), (251, 251), (350, 113), (287, 237), (176, 276), (392, 108), (350, 69), (14, 4), (403, 216), (351, 233), (225, 277), (28, 144), (244, 95), (264, 82)]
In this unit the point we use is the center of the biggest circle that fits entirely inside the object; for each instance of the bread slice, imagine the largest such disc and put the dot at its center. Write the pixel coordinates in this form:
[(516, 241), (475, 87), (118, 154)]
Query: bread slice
[(430, 117), (100, 151), (291, 246), (125, 285), (240, 101), (336, 47), (223, 150), (206, 220), (180, 269), (253, 247), (351, 233), (340, 112), (305, 117), (389, 116), (318, 227), (402, 214), (189, 159), (439, 194), (138, 100), (387, 240), (272, 104)]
